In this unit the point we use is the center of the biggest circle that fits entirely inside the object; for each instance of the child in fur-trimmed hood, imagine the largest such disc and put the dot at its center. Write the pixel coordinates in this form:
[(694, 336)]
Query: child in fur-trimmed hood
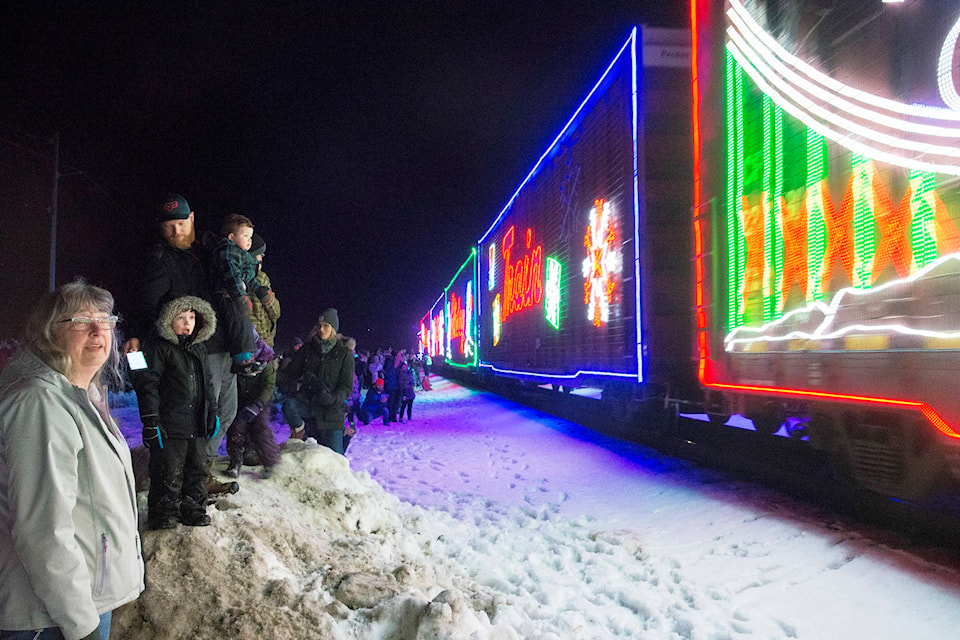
[(178, 411)]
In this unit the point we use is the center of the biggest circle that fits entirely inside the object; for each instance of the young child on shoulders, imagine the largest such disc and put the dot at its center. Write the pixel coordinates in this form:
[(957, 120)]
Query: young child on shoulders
[(235, 279), (178, 411)]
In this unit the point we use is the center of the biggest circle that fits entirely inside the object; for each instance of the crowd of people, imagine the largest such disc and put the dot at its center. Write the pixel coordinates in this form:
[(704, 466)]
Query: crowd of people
[(200, 353)]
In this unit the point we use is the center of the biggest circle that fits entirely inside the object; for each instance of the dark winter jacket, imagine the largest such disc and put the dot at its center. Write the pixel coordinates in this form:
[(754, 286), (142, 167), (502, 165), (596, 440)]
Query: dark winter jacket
[(405, 382), (374, 398), (168, 273), (174, 391), (390, 384), (258, 388), (265, 313), (325, 380)]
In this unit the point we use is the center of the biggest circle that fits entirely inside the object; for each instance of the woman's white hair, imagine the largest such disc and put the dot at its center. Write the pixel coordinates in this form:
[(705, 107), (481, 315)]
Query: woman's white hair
[(44, 328)]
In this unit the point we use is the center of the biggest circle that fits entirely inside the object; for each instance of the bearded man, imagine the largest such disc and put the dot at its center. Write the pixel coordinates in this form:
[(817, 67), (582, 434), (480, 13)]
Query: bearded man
[(174, 268)]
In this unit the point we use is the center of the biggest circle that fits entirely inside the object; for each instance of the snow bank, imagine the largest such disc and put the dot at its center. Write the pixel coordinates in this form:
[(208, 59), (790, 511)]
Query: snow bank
[(319, 551)]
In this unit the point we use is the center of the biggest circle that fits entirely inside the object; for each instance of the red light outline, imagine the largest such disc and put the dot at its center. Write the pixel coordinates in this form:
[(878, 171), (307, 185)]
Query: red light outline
[(702, 339)]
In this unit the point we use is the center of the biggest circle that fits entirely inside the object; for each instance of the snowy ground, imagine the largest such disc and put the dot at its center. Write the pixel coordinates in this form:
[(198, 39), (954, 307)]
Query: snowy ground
[(481, 519)]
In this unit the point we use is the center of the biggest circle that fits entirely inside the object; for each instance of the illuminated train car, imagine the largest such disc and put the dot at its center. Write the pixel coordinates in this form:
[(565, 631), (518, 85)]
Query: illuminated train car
[(432, 334), (827, 228), (584, 276), (448, 331), (460, 311), (423, 335), (438, 331)]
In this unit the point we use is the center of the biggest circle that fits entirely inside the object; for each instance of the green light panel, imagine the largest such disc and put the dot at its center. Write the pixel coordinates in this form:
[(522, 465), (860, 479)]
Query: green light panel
[(553, 288), (772, 190), (816, 222), (922, 235), (734, 162), (759, 161), (864, 236)]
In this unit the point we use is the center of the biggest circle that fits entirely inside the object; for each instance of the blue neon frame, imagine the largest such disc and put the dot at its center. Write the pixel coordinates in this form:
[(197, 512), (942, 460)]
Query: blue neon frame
[(630, 48)]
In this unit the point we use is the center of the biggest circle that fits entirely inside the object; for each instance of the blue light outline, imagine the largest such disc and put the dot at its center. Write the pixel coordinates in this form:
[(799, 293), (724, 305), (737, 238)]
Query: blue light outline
[(563, 131), (439, 298), (637, 312), (557, 376), (631, 45)]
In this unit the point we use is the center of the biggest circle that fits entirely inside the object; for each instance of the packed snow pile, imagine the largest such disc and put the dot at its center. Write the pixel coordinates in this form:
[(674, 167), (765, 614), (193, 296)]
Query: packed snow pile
[(318, 551)]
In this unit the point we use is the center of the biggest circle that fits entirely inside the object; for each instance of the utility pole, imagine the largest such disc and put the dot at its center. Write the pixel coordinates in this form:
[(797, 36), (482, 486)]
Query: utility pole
[(53, 211)]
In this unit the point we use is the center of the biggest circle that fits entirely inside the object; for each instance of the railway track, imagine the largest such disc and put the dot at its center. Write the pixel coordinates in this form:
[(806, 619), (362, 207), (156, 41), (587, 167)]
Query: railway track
[(782, 463)]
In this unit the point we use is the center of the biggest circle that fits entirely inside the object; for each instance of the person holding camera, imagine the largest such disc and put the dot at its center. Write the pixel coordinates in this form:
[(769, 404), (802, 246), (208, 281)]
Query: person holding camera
[(318, 381)]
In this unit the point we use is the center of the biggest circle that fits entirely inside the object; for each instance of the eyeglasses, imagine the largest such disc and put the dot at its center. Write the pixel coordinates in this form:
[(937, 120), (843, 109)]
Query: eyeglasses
[(82, 323)]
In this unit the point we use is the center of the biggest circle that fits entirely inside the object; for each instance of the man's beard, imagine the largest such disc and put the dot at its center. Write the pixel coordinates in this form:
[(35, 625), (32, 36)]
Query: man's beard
[(184, 242)]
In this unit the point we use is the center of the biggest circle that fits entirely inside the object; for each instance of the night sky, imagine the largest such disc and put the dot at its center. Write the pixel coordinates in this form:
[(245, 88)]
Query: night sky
[(371, 143)]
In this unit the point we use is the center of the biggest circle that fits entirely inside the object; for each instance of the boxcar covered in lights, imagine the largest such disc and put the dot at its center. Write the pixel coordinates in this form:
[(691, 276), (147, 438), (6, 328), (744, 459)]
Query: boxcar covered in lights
[(826, 220), (433, 335), (584, 275), (460, 310), (448, 331)]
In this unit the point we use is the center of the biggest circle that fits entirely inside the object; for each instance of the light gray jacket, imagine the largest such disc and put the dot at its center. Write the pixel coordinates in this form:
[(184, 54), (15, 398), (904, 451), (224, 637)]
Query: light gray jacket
[(69, 546)]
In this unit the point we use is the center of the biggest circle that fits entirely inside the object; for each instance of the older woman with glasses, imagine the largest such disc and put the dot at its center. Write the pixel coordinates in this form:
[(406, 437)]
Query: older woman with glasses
[(69, 546)]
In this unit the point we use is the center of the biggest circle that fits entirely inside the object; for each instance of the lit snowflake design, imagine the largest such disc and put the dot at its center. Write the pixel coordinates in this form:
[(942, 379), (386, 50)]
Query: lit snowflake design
[(603, 263)]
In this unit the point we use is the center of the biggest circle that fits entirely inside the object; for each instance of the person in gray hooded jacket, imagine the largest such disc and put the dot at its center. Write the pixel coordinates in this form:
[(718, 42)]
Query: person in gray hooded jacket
[(69, 547)]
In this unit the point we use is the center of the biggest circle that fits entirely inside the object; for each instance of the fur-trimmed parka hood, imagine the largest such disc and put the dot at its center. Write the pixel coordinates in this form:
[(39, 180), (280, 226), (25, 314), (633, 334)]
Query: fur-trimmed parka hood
[(206, 319)]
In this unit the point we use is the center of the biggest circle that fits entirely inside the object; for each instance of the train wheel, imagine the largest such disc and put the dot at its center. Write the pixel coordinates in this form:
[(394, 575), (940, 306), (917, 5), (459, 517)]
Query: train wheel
[(618, 402), (769, 419), (717, 409), (798, 428)]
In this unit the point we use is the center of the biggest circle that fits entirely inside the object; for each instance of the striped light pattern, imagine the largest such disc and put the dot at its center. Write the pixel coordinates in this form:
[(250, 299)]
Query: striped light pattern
[(864, 232), (923, 237), (864, 205), (908, 136), (817, 191), (736, 247)]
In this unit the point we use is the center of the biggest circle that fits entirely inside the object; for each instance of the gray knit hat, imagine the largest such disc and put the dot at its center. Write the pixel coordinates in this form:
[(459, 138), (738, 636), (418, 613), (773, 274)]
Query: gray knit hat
[(330, 317), (257, 245)]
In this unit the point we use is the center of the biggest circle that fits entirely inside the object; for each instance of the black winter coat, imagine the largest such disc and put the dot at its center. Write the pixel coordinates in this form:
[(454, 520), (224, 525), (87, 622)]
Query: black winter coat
[(174, 390), (325, 379), (405, 383), (168, 274)]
